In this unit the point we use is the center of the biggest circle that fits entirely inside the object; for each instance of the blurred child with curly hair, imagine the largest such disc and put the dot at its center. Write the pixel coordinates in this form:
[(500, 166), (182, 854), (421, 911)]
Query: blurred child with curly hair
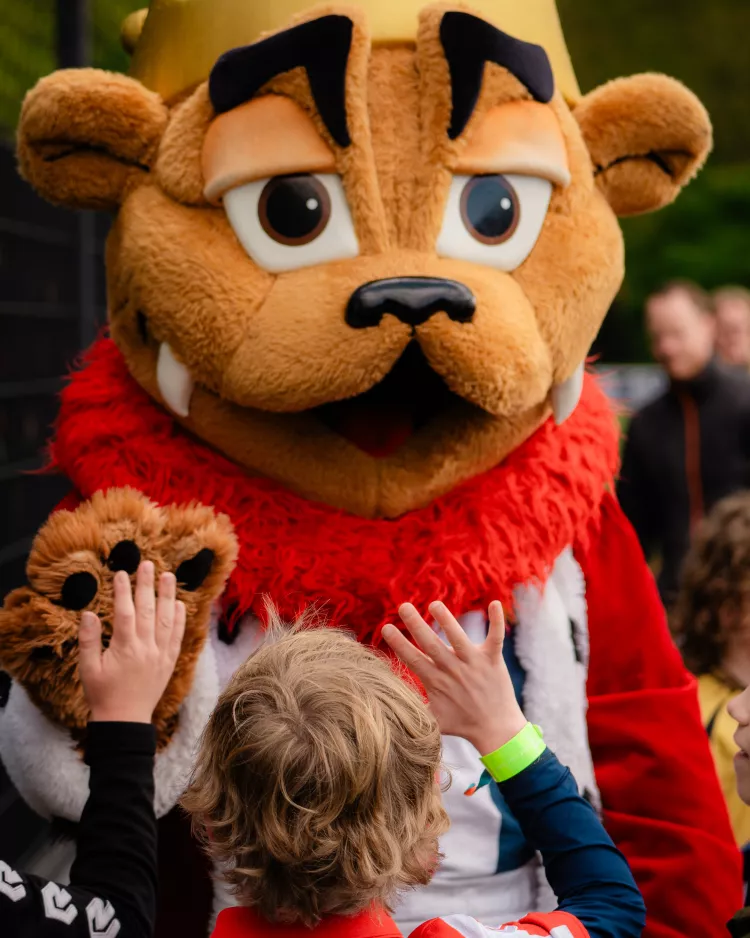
[(711, 620)]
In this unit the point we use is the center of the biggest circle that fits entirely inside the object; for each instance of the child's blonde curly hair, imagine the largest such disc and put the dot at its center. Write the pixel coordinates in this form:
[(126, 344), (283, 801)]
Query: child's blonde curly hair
[(315, 787)]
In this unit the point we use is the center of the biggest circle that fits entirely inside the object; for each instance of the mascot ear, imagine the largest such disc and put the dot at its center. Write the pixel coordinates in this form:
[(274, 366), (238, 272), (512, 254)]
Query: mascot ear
[(85, 134), (647, 136)]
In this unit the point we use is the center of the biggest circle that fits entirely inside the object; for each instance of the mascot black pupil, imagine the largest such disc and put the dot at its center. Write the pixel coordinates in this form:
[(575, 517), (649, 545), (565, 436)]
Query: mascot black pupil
[(295, 209), (489, 209)]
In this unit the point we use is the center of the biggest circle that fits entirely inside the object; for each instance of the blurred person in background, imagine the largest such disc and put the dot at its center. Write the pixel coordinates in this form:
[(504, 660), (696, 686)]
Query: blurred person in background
[(732, 309), (691, 446), (711, 621)]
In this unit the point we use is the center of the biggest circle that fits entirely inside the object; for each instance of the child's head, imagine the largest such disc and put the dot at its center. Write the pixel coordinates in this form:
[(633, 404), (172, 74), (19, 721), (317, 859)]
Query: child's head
[(316, 779), (713, 609)]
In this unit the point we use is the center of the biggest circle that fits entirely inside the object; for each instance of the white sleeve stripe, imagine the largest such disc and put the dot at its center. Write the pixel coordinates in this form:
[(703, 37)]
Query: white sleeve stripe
[(58, 904), (561, 931), (102, 921), (11, 883)]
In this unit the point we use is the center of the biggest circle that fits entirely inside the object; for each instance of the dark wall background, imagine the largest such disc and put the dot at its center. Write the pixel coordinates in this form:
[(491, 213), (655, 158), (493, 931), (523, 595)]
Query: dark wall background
[(51, 305)]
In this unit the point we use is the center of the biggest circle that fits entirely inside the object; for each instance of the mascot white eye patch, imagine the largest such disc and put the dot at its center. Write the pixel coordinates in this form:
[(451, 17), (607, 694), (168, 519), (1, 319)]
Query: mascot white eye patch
[(287, 222), (500, 194), (494, 220)]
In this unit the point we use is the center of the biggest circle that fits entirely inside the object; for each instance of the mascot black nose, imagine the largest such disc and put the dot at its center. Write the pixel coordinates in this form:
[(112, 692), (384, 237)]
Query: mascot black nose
[(411, 299)]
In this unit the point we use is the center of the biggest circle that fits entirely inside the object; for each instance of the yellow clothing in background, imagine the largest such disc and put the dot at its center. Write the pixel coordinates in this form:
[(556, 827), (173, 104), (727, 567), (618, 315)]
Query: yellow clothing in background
[(714, 695)]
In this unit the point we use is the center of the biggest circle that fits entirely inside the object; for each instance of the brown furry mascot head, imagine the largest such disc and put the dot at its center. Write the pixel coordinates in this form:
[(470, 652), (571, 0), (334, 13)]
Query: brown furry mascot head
[(391, 254)]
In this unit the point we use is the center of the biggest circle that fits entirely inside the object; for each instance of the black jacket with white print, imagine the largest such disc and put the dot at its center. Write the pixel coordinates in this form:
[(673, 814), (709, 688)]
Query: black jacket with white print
[(112, 890)]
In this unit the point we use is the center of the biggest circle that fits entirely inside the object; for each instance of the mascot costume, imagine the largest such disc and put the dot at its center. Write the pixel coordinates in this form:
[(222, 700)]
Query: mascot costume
[(359, 256)]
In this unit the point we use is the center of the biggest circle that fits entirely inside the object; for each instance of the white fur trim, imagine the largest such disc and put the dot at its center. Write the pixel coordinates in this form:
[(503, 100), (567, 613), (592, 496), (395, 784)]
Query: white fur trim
[(230, 656), (555, 688)]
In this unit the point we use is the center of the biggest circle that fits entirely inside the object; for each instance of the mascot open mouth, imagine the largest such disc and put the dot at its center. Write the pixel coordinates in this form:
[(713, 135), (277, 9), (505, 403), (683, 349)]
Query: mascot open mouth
[(382, 419)]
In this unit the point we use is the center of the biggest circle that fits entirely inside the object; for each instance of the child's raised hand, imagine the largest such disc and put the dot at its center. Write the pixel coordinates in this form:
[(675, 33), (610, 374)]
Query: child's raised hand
[(125, 682), (468, 686)]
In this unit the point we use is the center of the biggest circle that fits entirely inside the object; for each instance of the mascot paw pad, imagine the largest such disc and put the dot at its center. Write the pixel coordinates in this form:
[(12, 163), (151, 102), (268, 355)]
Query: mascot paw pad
[(71, 567)]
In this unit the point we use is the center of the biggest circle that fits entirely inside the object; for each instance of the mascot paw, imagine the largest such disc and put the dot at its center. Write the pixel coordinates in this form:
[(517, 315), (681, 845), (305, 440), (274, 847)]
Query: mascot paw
[(71, 568)]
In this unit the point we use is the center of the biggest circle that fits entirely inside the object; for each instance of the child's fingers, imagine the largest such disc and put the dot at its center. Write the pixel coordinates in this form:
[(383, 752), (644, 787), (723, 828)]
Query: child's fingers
[(415, 660), (145, 600), (89, 646), (495, 632), (459, 640), (177, 632), (425, 638), (165, 609), (123, 625)]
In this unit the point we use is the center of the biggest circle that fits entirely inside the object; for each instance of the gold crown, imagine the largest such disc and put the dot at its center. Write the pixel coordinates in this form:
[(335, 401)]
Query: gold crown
[(176, 43)]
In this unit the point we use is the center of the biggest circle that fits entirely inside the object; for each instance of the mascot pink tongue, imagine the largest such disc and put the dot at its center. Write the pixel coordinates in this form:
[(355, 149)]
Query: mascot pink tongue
[(358, 259)]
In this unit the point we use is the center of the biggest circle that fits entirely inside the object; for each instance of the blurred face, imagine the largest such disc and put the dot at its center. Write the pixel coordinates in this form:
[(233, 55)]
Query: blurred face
[(733, 332), (682, 335), (739, 709)]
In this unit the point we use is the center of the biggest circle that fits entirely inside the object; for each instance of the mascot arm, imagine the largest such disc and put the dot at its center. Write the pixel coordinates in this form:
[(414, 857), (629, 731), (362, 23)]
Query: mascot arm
[(70, 568), (662, 801)]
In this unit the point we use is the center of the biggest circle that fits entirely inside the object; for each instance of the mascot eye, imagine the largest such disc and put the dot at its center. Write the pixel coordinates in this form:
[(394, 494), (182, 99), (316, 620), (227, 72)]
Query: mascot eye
[(292, 221), (494, 220), (294, 209)]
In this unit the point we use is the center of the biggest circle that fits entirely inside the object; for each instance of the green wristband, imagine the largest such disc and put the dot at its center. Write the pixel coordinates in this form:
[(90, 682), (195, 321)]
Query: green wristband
[(516, 755)]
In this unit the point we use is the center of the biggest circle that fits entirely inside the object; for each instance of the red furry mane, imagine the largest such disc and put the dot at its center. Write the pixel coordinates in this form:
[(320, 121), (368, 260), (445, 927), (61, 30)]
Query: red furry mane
[(473, 545)]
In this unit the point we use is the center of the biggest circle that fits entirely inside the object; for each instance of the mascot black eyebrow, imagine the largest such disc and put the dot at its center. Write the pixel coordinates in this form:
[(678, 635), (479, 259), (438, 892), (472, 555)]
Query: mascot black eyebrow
[(353, 277)]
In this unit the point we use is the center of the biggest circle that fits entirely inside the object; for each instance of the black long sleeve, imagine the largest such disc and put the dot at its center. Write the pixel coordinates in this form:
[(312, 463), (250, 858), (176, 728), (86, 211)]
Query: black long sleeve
[(112, 889)]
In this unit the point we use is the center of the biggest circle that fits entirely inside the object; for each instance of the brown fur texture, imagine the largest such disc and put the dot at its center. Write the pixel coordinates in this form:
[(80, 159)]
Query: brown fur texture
[(178, 164), (38, 636), (86, 135), (648, 136), (267, 350)]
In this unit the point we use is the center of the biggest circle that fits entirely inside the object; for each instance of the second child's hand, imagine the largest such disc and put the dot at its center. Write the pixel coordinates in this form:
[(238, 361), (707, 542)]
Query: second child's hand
[(468, 686)]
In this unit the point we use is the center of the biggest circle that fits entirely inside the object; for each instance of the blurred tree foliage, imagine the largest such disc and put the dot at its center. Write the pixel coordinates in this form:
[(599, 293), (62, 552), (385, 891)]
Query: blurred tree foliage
[(27, 46), (705, 235), (702, 42)]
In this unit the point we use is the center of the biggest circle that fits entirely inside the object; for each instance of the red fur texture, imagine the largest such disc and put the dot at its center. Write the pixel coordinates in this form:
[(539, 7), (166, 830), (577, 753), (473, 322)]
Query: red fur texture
[(469, 547)]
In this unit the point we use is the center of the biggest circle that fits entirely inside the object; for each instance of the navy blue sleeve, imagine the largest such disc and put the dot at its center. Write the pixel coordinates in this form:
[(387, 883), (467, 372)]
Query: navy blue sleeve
[(587, 873)]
